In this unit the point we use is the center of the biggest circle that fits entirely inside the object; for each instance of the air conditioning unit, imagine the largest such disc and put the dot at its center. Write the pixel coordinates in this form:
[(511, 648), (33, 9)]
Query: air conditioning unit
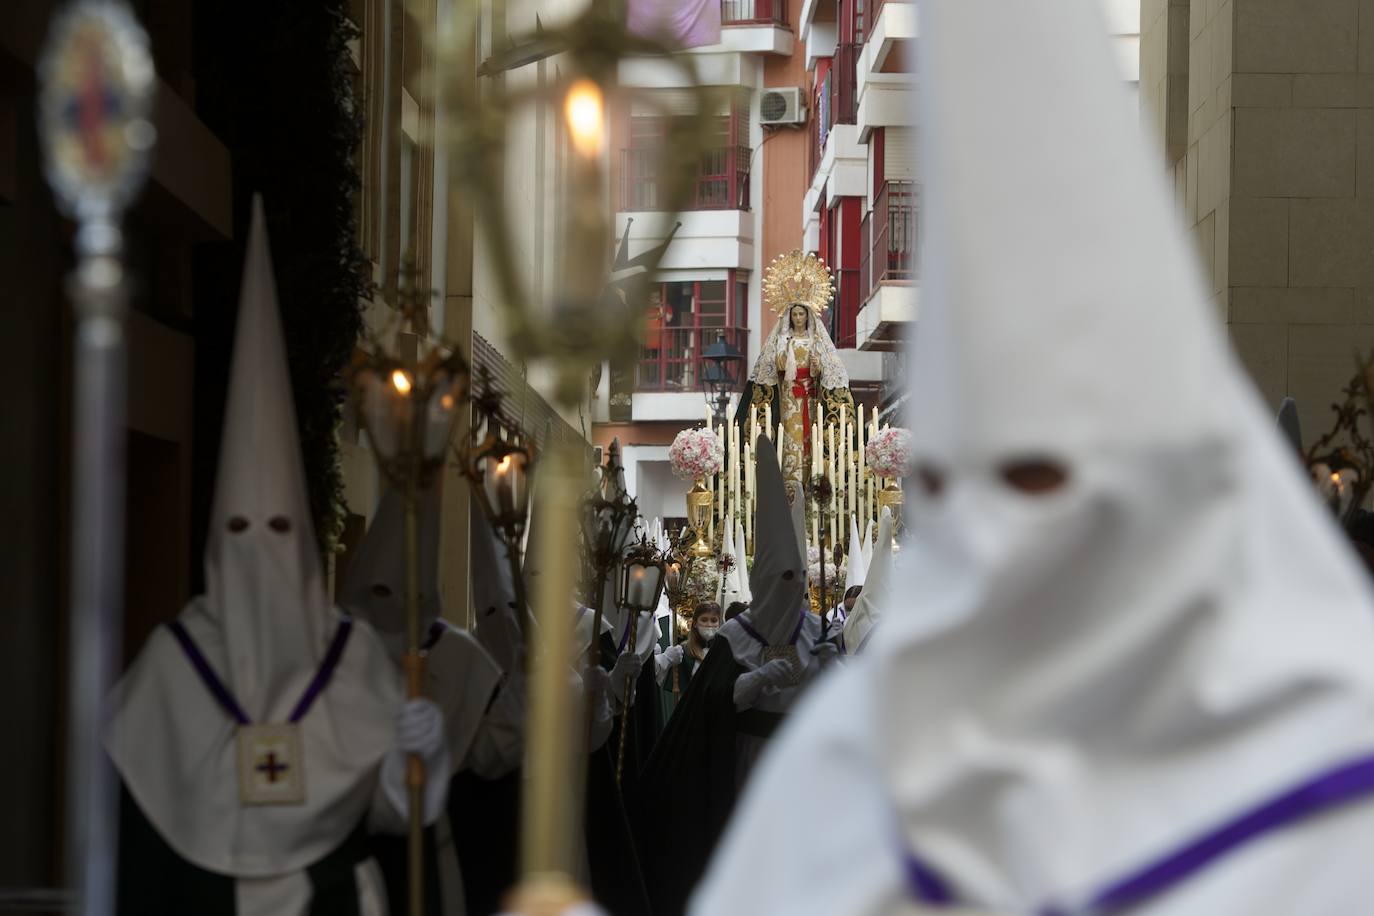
[(781, 106)]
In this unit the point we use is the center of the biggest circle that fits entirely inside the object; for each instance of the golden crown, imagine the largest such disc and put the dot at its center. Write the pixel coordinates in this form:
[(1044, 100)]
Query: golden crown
[(797, 278)]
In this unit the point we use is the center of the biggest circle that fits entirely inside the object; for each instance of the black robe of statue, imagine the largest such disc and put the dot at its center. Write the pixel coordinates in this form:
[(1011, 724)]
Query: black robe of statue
[(153, 880), (693, 763)]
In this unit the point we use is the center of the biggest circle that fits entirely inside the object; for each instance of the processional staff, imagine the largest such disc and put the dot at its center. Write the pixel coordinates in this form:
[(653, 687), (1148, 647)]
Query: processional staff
[(95, 99)]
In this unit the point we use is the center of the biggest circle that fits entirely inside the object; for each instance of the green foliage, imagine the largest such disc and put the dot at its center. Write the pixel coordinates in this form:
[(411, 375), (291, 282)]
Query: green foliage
[(276, 84)]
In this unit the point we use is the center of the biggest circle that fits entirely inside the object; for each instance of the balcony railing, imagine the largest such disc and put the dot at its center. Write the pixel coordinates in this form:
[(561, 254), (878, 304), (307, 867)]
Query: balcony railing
[(670, 359), (887, 237), (722, 182), (748, 12)]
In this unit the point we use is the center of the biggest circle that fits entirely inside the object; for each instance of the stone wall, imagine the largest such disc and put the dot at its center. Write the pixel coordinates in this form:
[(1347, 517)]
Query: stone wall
[(1280, 134)]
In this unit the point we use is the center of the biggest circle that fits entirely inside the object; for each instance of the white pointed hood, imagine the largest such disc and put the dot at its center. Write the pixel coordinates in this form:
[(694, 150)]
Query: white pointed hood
[(729, 582), (264, 583), (778, 579), (856, 566), (374, 587), (868, 544), (460, 675), (497, 627), (877, 594), (263, 626), (742, 564), (1176, 633)]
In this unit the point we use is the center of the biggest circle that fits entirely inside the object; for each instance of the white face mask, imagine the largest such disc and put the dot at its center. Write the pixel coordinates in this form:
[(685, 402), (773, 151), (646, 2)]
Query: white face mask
[(707, 633)]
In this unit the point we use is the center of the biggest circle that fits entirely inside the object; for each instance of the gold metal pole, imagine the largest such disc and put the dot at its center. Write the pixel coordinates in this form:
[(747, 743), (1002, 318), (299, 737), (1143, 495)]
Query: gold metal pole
[(629, 697), (552, 796)]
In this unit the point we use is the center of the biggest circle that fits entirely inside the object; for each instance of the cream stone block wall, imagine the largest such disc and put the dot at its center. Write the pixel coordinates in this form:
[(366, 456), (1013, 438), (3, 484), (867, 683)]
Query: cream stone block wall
[(1276, 181)]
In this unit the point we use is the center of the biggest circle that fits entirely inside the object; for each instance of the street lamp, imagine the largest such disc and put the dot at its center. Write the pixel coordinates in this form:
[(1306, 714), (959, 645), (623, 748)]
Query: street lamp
[(605, 517), (497, 466), (641, 584), (720, 376)]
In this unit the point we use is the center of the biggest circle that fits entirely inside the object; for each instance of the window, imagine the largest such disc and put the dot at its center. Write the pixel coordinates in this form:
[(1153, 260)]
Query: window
[(683, 319), (722, 177)]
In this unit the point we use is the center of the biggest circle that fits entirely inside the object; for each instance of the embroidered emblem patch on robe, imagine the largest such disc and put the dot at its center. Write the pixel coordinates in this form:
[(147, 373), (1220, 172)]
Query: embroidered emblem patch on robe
[(271, 765)]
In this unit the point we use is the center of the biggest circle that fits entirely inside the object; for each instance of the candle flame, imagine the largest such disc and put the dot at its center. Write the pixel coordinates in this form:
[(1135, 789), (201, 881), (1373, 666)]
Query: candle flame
[(446, 402), (504, 465), (401, 382), (583, 109)]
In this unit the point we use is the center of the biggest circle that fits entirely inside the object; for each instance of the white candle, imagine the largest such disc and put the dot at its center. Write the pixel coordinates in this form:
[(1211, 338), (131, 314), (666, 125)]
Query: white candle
[(768, 417), (816, 450), (830, 474)]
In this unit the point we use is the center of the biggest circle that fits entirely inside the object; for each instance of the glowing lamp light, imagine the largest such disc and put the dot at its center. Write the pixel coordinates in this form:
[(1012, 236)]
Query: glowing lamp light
[(641, 577), (409, 418), (498, 465), (583, 108)]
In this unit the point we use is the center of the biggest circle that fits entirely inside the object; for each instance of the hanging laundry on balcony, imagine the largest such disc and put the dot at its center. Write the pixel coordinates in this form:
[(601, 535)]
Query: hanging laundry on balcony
[(686, 23)]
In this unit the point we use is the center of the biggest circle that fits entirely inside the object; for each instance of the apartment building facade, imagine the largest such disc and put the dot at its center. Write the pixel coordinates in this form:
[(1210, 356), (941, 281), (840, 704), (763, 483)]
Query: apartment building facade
[(742, 214)]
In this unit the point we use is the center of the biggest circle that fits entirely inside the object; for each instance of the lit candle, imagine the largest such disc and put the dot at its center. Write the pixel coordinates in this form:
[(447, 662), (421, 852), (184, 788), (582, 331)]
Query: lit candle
[(748, 497), (815, 456), (844, 466), (830, 473), (587, 235), (641, 590), (500, 492), (768, 417)]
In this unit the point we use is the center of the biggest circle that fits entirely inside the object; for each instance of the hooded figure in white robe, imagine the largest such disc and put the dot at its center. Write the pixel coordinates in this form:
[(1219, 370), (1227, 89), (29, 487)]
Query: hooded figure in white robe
[(855, 573), (483, 710), (483, 722), (1129, 669), (877, 594), (257, 733)]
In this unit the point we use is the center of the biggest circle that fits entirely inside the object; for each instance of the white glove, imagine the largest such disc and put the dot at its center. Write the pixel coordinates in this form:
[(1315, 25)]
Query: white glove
[(596, 684), (627, 666), (749, 686), (665, 661), (419, 730), (826, 652)]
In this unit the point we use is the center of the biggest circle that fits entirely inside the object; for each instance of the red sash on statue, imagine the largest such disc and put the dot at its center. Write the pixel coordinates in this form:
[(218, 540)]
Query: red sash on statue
[(801, 390)]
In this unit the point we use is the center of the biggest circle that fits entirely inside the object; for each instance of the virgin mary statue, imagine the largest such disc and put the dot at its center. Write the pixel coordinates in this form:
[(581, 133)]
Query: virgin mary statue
[(798, 369)]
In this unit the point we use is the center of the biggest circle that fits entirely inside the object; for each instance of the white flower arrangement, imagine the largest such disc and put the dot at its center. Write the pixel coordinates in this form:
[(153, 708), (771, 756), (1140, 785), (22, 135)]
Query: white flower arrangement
[(833, 573), (889, 452), (695, 453)]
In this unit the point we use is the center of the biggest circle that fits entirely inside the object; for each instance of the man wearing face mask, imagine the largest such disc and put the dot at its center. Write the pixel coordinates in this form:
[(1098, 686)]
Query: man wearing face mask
[(1127, 667), (756, 668), (260, 734)]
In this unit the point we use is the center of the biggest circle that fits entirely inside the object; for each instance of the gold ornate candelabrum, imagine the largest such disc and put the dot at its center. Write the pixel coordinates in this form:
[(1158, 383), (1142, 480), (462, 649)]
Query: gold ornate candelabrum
[(583, 324)]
